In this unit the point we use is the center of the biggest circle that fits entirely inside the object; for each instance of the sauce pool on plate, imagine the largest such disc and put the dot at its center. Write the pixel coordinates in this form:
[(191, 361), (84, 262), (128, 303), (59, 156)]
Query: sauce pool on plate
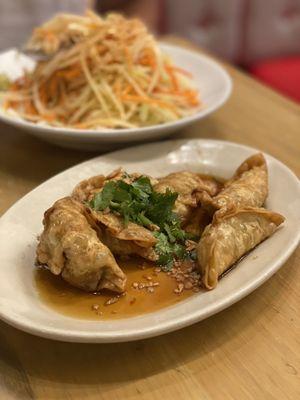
[(147, 291)]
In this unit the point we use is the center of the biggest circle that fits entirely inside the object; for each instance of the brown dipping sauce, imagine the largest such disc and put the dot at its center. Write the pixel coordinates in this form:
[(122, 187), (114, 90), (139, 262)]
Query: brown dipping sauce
[(67, 300)]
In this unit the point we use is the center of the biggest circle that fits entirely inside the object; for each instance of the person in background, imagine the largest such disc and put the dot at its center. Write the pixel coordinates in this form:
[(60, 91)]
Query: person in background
[(19, 17)]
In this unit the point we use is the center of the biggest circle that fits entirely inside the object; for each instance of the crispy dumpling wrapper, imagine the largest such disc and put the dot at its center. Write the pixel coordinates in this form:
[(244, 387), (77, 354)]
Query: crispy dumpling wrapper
[(247, 188), (231, 236), (134, 239), (186, 184), (124, 240), (70, 247), (86, 189), (197, 222), (133, 232), (127, 248)]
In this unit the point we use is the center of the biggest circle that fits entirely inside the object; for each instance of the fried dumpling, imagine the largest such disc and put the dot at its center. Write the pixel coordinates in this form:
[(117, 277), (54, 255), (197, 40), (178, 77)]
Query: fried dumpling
[(231, 236), (247, 188), (124, 240), (86, 189), (186, 184), (70, 247), (198, 220)]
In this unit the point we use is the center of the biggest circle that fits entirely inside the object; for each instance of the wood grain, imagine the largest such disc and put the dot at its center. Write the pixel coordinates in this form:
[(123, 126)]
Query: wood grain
[(249, 351)]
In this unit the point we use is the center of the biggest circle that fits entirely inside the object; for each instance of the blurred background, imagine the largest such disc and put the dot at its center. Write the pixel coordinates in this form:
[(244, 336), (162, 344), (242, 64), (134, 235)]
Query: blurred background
[(262, 37)]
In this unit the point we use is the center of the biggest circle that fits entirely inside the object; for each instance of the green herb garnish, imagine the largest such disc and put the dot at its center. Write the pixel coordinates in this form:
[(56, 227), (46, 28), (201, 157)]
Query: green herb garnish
[(139, 203)]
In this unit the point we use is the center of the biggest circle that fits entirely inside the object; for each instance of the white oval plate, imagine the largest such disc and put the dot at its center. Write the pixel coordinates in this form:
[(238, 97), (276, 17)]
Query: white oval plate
[(20, 305), (212, 81)]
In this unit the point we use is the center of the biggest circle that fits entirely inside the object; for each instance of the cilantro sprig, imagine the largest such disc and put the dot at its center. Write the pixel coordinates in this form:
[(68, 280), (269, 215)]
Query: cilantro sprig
[(138, 202)]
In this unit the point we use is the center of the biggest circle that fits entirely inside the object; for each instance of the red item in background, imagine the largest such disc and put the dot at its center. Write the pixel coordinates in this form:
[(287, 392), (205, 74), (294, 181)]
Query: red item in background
[(282, 74)]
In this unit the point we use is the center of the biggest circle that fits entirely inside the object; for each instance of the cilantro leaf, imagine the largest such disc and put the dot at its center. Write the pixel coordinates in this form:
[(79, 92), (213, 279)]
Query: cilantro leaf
[(163, 248), (179, 250), (138, 202), (167, 228), (121, 195), (102, 200), (143, 186), (161, 206), (168, 251), (143, 220)]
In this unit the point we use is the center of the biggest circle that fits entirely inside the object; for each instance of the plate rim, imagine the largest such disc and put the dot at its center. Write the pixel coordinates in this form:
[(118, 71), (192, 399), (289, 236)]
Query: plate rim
[(56, 132), (173, 325)]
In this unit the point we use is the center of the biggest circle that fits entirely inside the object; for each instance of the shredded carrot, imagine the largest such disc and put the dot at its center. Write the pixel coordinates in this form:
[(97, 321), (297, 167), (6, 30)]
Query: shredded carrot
[(172, 76), (192, 97), (127, 90), (140, 99), (69, 73), (160, 90), (29, 108), (50, 117), (148, 59)]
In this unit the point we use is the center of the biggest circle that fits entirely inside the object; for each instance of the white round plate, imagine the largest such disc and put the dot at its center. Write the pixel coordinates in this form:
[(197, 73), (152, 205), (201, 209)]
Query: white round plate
[(20, 305), (212, 81)]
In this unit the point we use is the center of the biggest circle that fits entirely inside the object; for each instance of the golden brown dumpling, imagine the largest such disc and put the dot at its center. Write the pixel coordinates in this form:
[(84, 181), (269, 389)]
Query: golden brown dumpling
[(124, 240), (70, 247), (231, 236), (198, 220), (86, 189), (186, 184), (247, 188)]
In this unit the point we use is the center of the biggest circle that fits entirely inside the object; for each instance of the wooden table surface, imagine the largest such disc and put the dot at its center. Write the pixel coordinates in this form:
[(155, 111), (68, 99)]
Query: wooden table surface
[(249, 351)]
